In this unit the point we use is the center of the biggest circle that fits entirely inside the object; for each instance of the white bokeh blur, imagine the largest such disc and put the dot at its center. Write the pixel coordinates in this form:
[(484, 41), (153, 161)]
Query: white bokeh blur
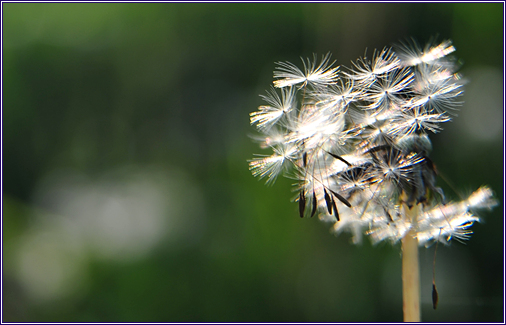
[(118, 216), (482, 114)]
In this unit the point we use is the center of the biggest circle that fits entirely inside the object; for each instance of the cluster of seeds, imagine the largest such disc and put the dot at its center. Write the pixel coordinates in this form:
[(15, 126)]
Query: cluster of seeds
[(357, 142)]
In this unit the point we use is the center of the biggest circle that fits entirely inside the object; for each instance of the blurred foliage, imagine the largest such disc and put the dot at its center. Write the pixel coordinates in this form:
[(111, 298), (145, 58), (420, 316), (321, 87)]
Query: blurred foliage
[(135, 116)]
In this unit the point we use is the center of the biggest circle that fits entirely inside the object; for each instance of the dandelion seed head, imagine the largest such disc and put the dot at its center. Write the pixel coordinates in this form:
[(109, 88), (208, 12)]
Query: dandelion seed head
[(357, 143)]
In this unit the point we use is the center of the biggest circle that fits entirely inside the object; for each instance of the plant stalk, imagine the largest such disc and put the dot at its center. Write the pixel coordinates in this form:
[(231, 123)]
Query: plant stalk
[(410, 270)]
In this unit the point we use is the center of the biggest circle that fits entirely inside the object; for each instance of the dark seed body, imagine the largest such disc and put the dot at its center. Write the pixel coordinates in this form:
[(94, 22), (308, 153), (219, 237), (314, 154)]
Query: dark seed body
[(334, 207), (339, 158), (341, 198), (328, 201), (302, 204), (314, 205), (435, 297)]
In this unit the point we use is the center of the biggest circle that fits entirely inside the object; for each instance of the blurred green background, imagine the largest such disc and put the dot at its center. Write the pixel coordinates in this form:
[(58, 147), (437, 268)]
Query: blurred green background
[(127, 195)]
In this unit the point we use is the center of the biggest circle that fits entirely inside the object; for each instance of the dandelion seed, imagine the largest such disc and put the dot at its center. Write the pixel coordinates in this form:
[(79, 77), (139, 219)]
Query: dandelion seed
[(279, 107), (341, 198), (435, 297), (328, 201), (416, 121), (411, 54), (313, 74), (315, 205), (366, 71), (334, 209), (339, 158), (439, 97), (302, 204), (387, 91), (335, 96), (273, 165)]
